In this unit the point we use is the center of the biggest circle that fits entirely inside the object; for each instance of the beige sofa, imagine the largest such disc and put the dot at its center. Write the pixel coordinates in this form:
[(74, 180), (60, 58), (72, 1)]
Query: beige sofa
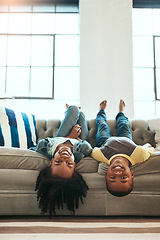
[(19, 169)]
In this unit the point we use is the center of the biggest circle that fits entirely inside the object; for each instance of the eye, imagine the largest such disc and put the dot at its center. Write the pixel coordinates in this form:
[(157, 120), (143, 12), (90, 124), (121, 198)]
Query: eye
[(124, 177), (70, 163), (58, 161), (112, 177)]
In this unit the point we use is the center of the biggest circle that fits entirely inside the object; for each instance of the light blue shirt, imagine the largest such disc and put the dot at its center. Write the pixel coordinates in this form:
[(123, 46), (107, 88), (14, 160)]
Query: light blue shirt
[(48, 146), (54, 142)]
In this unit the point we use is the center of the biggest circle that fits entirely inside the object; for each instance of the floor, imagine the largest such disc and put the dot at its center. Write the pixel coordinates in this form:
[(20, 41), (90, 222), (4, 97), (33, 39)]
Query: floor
[(113, 228), (80, 236)]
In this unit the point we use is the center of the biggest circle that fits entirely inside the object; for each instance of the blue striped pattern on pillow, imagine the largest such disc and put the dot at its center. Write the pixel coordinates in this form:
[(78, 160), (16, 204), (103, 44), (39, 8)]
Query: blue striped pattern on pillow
[(17, 129)]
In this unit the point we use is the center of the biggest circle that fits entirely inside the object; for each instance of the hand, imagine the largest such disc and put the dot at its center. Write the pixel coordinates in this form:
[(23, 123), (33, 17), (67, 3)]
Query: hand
[(147, 145), (75, 132)]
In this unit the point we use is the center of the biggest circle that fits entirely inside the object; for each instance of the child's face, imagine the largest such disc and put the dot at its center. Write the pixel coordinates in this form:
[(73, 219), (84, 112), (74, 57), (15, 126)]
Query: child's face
[(62, 165), (119, 177)]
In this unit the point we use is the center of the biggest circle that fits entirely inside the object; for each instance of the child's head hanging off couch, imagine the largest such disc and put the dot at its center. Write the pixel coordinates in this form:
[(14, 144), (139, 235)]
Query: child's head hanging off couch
[(59, 183), (120, 152), (119, 177), (53, 192)]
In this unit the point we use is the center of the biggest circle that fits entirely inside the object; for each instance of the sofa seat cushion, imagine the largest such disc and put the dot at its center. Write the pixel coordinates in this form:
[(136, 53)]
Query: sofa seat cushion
[(87, 165), (18, 158), (95, 181), (17, 180), (21, 180)]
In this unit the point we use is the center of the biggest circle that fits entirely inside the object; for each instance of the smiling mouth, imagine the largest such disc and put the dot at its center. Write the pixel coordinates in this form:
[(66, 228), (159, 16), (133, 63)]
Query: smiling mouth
[(65, 152), (118, 167)]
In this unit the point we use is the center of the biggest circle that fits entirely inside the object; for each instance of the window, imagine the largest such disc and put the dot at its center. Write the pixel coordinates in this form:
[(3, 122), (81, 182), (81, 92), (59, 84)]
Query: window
[(146, 62), (39, 58), (156, 45)]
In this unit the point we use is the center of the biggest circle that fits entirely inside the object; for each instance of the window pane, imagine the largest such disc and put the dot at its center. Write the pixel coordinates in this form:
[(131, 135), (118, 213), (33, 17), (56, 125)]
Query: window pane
[(143, 82), (157, 51), (143, 52), (17, 81), (158, 82), (3, 46), (43, 23), (144, 110), (2, 81), (19, 23), (66, 83), (3, 8), (18, 51), (42, 51), (67, 23), (145, 26), (3, 22), (20, 8), (66, 51), (158, 109), (44, 8), (28, 52), (142, 21), (67, 8), (41, 82), (156, 21)]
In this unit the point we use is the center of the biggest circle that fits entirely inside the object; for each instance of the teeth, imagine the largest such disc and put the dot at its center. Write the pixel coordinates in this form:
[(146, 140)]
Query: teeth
[(65, 153), (118, 167)]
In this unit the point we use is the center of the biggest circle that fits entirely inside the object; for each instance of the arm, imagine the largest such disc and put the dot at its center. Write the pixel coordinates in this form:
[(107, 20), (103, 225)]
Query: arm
[(43, 147), (81, 149), (147, 145), (75, 132)]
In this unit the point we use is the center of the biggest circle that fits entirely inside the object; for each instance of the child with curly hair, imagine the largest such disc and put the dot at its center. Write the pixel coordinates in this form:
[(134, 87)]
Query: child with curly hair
[(59, 183)]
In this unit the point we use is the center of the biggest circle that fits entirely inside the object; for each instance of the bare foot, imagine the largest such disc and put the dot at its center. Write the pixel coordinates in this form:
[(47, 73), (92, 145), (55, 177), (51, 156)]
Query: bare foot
[(103, 105), (121, 105), (67, 106)]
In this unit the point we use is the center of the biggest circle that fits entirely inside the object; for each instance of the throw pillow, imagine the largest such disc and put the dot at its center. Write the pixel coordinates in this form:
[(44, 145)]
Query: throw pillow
[(17, 129), (154, 125)]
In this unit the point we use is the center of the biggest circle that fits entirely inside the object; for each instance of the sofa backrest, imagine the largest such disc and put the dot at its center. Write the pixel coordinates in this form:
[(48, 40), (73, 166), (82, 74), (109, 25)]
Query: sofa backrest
[(140, 130)]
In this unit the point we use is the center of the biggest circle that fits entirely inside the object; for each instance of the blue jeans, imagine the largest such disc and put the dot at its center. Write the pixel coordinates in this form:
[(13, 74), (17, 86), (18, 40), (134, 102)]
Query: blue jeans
[(103, 130), (73, 116), (81, 148)]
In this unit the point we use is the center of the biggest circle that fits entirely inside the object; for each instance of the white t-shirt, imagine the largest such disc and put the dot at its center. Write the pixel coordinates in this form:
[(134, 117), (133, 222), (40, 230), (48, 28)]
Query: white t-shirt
[(54, 142)]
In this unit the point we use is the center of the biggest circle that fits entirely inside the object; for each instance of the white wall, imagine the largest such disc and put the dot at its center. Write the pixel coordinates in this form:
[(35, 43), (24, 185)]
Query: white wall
[(106, 55)]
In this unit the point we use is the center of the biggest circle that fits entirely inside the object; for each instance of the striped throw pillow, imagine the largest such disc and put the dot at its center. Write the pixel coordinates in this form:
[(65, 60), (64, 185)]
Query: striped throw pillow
[(17, 129)]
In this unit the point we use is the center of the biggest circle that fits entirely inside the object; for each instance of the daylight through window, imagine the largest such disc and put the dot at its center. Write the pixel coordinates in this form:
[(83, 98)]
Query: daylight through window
[(146, 62), (39, 48)]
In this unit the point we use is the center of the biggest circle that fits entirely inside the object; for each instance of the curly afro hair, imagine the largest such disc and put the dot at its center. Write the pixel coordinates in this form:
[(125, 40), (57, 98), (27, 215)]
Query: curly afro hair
[(53, 192)]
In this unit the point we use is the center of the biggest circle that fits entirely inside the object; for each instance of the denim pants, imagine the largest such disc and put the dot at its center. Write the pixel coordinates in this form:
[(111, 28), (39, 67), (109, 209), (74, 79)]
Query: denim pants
[(82, 148), (73, 116), (103, 130)]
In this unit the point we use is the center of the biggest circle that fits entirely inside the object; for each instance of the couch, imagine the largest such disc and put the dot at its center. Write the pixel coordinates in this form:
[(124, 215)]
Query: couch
[(20, 167)]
